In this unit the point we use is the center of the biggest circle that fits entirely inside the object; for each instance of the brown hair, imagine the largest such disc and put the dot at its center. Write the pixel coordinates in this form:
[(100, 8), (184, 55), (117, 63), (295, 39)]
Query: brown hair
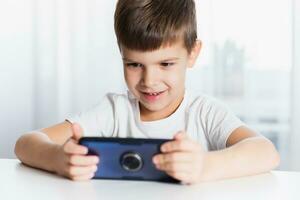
[(149, 24)]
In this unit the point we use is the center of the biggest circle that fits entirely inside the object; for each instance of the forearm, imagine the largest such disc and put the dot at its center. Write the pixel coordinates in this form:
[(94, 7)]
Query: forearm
[(37, 150), (250, 156)]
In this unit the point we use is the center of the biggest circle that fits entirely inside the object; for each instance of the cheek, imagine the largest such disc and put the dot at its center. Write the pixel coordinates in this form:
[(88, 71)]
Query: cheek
[(176, 78), (131, 77)]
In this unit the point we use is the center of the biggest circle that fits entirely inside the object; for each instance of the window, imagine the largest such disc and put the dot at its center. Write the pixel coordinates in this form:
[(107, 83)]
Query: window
[(249, 61)]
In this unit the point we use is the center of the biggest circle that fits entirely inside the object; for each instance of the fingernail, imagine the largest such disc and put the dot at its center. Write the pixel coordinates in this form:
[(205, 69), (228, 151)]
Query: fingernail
[(86, 150), (96, 160), (155, 160), (95, 168), (164, 149)]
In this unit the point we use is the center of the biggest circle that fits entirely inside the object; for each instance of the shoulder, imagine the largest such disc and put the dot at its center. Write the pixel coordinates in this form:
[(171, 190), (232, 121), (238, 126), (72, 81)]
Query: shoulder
[(119, 98), (208, 109), (205, 102)]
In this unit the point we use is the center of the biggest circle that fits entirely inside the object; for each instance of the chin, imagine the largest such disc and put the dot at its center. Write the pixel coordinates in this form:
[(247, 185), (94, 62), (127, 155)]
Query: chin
[(153, 107)]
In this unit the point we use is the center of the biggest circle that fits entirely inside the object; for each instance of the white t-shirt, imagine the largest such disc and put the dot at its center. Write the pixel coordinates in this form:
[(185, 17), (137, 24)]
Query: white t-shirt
[(205, 120)]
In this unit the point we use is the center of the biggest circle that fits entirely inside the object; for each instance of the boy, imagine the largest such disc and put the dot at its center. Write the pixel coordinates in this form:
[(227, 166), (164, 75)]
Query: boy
[(158, 42)]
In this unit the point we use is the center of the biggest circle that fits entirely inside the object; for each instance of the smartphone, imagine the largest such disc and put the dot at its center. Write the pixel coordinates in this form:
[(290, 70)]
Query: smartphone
[(126, 158)]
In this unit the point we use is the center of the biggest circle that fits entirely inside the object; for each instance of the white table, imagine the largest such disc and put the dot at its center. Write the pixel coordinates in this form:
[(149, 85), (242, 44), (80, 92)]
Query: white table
[(18, 181)]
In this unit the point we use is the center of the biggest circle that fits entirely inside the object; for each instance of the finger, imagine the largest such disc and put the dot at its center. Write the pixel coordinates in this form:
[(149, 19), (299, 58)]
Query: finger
[(179, 145), (77, 131), (71, 147), (181, 135), (83, 177), (172, 157), (73, 171), (80, 160), (175, 167), (182, 176)]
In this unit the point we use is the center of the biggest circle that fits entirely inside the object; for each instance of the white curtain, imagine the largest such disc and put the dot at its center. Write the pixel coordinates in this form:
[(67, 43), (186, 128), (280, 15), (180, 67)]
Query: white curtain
[(76, 57)]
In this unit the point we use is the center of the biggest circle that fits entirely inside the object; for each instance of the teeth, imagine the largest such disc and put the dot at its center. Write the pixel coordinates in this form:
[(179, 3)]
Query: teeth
[(153, 94)]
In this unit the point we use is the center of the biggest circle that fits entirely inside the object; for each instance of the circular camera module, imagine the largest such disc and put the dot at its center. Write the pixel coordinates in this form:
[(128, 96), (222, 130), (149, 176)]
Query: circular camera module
[(131, 161)]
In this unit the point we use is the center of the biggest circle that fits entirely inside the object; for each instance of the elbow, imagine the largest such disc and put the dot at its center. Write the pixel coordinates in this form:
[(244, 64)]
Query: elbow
[(276, 159), (274, 156), (18, 147)]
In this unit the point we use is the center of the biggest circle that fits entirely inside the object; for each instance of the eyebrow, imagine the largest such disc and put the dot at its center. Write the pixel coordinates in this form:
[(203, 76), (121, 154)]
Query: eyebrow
[(165, 60)]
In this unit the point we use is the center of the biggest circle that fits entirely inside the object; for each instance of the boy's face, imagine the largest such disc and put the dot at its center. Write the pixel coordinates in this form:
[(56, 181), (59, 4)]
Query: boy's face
[(157, 78)]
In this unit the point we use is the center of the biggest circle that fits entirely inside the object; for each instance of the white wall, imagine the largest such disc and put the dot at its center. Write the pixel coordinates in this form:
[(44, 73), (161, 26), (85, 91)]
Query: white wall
[(56, 58), (295, 111), (16, 65)]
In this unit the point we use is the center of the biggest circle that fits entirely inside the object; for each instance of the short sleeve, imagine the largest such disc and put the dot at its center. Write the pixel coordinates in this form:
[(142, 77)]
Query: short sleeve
[(219, 122), (98, 120)]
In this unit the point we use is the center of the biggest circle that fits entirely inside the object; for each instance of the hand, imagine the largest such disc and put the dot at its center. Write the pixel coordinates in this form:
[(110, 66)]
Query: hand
[(183, 159), (72, 161)]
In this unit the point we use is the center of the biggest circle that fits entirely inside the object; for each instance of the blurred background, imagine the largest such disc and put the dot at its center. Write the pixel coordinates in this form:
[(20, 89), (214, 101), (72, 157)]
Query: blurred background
[(59, 57)]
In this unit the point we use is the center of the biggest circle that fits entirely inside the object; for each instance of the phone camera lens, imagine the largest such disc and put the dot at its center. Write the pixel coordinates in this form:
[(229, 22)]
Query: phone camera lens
[(131, 161)]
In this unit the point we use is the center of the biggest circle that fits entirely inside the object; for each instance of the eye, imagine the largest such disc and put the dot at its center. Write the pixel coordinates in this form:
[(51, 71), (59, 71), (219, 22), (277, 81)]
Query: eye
[(134, 65), (166, 64)]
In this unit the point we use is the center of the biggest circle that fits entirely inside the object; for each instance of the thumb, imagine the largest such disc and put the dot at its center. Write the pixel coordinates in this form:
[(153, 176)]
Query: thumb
[(180, 135), (77, 131)]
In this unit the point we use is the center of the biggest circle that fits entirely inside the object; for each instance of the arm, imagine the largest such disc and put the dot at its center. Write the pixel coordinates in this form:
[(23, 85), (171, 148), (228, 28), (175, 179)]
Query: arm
[(39, 149), (55, 149), (247, 154)]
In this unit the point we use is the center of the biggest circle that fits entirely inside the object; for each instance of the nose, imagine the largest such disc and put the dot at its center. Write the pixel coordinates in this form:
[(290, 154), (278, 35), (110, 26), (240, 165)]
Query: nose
[(150, 77)]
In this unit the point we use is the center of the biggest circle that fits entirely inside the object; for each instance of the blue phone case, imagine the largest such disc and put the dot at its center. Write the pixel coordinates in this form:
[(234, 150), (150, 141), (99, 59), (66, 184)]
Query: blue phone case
[(126, 158)]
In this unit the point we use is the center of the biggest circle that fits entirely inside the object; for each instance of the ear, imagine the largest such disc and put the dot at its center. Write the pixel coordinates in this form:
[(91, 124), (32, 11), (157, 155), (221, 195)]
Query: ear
[(194, 53)]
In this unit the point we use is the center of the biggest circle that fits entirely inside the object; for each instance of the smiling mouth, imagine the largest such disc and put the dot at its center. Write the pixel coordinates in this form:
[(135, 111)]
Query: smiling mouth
[(152, 96)]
